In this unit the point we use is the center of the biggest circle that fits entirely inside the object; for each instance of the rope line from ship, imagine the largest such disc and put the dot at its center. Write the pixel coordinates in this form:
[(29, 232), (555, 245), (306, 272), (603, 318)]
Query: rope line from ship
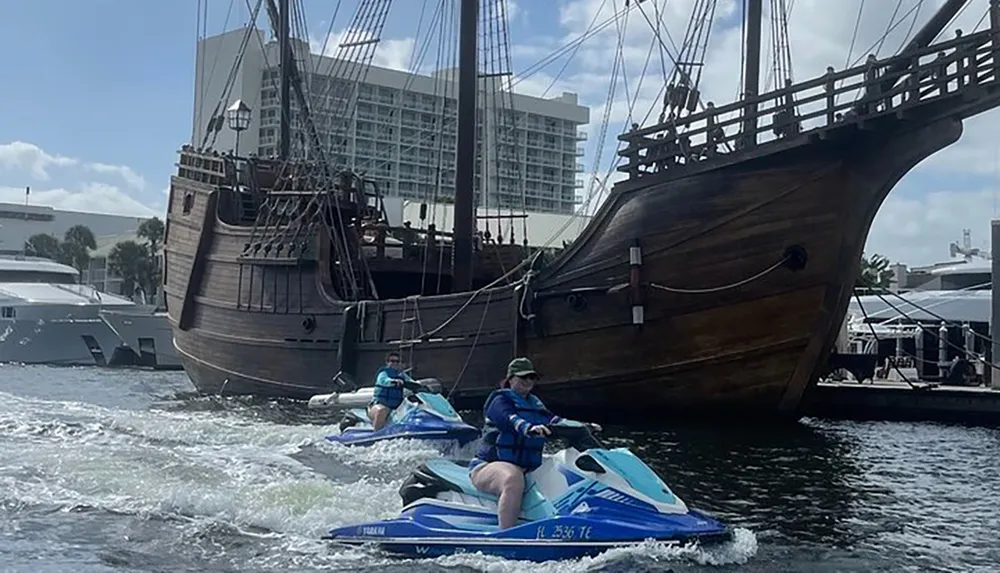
[(526, 281), (472, 348), (482, 321), (921, 326), (871, 327), (784, 259), (920, 308), (502, 278), (875, 288), (610, 262)]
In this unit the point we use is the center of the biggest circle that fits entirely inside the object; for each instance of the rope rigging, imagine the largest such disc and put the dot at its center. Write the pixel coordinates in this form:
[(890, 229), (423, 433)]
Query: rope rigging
[(499, 142), (616, 66), (357, 49), (876, 288), (781, 51), (283, 219), (354, 282), (682, 92), (871, 327)]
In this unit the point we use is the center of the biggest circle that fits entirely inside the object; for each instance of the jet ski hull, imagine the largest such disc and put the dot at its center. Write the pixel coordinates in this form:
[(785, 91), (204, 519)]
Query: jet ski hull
[(575, 504), (557, 538), (417, 426)]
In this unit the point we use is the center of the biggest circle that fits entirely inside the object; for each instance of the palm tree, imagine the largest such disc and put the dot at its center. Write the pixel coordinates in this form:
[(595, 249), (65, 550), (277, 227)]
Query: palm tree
[(77, 244), (875, 273)]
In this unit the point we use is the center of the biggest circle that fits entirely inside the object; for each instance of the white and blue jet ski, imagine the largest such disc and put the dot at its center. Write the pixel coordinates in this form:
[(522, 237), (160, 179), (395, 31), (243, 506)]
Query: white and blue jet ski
[(424, 415), (578, 503)]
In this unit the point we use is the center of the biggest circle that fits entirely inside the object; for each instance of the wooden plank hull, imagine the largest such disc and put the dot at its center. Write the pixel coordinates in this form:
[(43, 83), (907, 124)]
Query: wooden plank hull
[(719, 335)]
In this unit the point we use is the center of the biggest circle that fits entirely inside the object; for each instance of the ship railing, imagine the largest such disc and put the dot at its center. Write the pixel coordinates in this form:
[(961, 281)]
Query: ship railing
[(963, 66), (206, 167)]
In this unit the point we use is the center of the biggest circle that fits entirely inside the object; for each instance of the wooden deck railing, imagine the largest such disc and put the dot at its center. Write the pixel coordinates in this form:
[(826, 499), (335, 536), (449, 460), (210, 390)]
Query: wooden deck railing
[(874, 89)]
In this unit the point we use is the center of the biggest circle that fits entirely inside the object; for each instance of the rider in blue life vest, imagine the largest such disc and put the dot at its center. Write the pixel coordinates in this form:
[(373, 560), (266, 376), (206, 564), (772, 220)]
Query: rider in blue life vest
[(513, 437), (388, 393)]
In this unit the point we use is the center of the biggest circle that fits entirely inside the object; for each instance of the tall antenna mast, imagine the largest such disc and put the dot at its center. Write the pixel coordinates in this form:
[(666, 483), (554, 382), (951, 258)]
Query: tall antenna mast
[(285, 100), (465, 161), (751, 71)]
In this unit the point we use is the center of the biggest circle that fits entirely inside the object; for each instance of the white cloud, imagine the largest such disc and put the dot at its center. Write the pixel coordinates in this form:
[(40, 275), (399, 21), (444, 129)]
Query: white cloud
[(90, 198), (21, 162), (133, 179), (918, 229), (389, 53), (22, 156)]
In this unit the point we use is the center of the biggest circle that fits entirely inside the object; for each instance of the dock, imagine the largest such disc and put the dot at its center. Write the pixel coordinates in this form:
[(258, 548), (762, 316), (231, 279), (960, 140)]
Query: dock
[(899, 401)]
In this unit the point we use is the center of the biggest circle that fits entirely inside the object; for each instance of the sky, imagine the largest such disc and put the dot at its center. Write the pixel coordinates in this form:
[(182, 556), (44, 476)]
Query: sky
[(98, 95)]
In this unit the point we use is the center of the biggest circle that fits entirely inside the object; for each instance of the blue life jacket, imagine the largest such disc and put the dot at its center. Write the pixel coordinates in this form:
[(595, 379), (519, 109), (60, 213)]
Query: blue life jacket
[(510, 446), (392, 395)]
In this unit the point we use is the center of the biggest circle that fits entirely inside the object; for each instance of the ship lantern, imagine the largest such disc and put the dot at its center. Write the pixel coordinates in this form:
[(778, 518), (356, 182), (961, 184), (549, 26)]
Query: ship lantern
[(239, 115)]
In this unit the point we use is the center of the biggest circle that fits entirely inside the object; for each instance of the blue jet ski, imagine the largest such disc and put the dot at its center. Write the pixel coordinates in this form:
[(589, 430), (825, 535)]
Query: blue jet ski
[(578, 503), (424, 415)]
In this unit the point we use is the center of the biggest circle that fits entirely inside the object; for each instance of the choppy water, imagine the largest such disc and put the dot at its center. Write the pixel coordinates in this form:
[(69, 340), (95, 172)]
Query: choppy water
[(127, 471)]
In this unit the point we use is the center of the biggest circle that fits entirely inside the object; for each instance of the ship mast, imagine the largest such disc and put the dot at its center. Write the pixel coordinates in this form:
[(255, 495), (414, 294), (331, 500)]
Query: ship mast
[(751, 71), (286, 63), (465, 161)]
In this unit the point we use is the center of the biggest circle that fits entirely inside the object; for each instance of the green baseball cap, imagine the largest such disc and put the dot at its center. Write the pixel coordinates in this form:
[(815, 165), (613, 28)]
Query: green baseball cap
[(520, 367)]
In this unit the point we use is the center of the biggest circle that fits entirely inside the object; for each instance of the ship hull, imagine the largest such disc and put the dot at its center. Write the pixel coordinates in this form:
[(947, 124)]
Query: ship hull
[(746, 273)]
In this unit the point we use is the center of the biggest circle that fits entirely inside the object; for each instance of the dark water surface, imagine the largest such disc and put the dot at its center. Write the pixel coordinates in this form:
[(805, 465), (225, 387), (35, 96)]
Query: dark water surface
[(128, 471)]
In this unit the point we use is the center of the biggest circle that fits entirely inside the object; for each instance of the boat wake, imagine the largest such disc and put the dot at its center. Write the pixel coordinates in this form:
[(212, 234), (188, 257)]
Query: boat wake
[(209, 487)]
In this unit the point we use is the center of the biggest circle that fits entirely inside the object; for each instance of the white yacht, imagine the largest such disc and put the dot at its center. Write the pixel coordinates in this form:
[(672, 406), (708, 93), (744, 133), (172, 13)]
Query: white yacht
[(46, 317), (146, 330)]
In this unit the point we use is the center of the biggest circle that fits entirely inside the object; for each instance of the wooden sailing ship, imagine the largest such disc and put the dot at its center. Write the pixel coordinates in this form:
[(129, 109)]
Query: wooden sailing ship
[(712, 280)]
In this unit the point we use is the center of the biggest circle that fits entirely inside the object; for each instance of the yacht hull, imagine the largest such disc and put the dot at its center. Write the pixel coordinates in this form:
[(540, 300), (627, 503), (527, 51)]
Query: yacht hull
[(62, 341), (149, 336)]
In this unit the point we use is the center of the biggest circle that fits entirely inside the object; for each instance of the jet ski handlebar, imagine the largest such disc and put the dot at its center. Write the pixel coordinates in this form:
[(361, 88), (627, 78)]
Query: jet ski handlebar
[(429, 385), (343, 383), (576, 434)]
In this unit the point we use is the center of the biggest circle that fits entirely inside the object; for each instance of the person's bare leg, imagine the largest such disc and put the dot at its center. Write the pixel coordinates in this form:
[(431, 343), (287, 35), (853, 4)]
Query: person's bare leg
[(506, 481), (379, 415)]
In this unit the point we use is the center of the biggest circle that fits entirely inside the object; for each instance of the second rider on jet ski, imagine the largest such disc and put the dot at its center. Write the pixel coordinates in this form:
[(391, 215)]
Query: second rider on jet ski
[(388, 393), (513, 438)]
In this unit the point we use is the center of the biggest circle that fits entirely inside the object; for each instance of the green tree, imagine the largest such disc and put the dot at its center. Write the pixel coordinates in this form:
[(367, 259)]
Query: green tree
[(133, 262), (76, 245), (44, 245), (875, 272), (152, 230)]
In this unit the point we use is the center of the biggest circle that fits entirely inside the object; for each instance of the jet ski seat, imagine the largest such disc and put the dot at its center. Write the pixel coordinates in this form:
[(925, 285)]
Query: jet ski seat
[(444, 478)]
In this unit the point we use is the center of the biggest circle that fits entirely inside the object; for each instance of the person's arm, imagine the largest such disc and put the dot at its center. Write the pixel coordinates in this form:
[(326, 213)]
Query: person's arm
[(553, 419), (502, 413), (556, 419), (383, 379), (407, 377)]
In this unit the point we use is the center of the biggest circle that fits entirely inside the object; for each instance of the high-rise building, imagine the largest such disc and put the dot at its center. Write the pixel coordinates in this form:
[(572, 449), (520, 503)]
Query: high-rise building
[(402, 132)]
